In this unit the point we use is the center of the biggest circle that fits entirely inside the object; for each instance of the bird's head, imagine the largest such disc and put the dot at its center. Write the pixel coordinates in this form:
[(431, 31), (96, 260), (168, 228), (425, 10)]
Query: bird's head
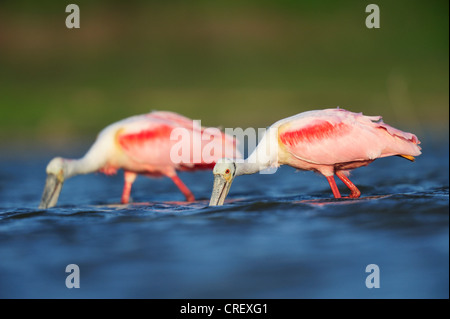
[(224, 172), (56, 174)]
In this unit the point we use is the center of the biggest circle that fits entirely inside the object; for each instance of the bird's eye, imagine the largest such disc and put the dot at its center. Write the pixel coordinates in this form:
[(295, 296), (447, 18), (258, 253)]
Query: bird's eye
[(227, 171)]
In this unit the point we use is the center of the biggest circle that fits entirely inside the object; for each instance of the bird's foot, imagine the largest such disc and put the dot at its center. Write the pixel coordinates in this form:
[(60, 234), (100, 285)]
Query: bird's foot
[(353, 195), (125, 200)]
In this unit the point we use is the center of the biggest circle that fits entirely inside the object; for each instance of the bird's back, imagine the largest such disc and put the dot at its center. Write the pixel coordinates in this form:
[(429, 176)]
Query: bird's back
[(151, 141), (338, 136)]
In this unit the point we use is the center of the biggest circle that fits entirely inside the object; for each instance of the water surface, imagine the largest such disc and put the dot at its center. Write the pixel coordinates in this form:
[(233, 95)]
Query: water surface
[(277, 236)]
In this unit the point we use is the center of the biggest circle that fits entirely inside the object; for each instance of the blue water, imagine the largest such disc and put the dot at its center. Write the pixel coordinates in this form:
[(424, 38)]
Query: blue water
[(277, 236)]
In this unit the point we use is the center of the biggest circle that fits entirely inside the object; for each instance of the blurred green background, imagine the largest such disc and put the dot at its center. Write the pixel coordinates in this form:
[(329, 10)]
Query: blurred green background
[(228, 63)]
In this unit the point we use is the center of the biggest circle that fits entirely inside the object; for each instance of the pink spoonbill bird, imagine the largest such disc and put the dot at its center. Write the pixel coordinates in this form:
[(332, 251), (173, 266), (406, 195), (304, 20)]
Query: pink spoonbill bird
[(330, 142), (143, 145)]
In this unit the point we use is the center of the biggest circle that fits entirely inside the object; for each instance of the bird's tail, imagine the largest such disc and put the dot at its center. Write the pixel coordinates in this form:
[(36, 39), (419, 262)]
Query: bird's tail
[(403, 144)]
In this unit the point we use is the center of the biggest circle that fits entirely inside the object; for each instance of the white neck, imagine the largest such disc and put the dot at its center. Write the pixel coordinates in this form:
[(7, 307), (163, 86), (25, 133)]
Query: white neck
[(247, 168), (89, 163), (264, 156)]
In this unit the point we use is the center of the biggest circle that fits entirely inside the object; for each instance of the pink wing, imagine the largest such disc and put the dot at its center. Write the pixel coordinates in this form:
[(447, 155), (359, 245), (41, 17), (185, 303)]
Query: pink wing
[(165, 139), (171, 117), (339, 136)]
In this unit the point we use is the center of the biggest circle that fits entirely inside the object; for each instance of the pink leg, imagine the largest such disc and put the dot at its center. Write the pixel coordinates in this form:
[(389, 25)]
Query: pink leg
[(183, 188), (354, 191), (129, 177), (333, 186)]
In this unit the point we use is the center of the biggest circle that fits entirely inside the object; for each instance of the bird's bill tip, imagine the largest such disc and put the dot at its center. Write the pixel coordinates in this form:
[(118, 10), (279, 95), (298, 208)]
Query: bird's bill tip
[(52, 189), (220, 190)]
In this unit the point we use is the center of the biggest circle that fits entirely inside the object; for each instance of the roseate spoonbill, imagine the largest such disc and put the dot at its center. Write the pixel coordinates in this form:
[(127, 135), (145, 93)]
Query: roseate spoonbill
[(141, 144), (330, 142)]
